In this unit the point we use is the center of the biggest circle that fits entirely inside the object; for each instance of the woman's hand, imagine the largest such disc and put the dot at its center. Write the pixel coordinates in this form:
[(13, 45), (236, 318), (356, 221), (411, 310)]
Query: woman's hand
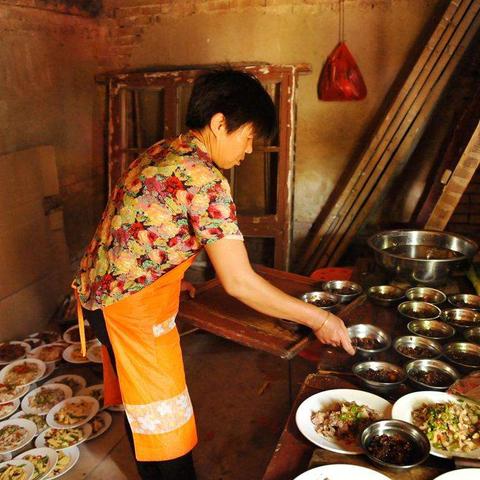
[(332, 330), (187, 287)]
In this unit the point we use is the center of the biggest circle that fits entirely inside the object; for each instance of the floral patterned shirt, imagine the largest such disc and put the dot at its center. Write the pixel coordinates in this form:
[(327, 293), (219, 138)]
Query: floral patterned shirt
[(169, 204)]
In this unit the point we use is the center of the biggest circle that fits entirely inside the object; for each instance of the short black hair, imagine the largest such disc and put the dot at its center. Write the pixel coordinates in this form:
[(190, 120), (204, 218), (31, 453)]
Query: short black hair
[(238, 95)]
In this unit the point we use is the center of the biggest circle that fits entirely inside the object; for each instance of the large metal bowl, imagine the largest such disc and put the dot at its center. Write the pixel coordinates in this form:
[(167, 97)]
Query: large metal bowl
[(365, 330), (426, 294), (461, 317), (421, 256), (430, 348), (324, 300), (419, 310), (385, 295), (465, 300), (418, 372), (390, 375), (452, 350), (433, 329)]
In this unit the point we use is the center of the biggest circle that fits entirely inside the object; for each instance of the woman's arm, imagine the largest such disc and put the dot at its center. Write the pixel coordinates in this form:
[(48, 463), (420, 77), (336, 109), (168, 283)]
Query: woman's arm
[(230, 260)]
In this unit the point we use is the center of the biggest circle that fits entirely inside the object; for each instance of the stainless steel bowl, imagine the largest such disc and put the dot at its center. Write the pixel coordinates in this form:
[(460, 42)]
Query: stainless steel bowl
[(428, 366), (459, 348), (397, 428), (385, 295), (433, 329), (465, 300), (472, 335), (418, 256), (461, 317), (363, 330), (426, 294), (419, 310), (412, 341), (344, 289), (361, 369), (325, 300)]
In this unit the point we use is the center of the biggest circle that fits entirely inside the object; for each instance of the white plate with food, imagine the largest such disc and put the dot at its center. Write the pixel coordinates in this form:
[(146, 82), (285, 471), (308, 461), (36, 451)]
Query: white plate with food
[(322, 418), (72, 334), (73, 412), (460, 474), (23, 372), (7, 409), (100, 423), (49, 353), (43, 460), (16, 470), (8, 393), (15, 433), (341, 472), (94, 352), (48, 371), (432, 412), (61, 438), (5, 456), (47, 336), (38, 420), (95, 391), (11, 351), (73, 354), (76, 382), (67, 459), (43, 398)]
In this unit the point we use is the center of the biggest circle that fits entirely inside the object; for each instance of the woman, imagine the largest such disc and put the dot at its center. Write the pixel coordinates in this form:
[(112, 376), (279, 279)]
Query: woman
[(172, 202)]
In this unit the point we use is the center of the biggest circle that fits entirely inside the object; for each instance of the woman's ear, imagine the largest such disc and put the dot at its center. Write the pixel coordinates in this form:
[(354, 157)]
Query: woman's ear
[(218, 124)]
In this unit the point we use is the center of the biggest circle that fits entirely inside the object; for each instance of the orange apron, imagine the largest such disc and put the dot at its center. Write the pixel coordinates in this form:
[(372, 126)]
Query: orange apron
[(151, 378)]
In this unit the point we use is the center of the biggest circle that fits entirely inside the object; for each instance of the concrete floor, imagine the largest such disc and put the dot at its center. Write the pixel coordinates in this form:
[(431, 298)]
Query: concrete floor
[(240, 397)]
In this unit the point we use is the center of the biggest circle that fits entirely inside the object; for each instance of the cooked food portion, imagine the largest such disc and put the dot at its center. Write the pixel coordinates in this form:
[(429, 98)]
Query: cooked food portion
[(382, 375), (11, 436), (465, 358), (63, 438), (40, 462), (76, 355), (46, 398), (62, 463), (96, 393), (416, 351), (22, 374), (97, 424), (392, 449), (370, 342), (11, 351), (322, 302), (432, 332), (434, 378), (48, 337), (12, 472), (38, 420), (33, 342), (344, 421), (344, 290), (72, 383), (73, 413), (418, 313), (50, 353), (6, 409), (8, 392), (74, 334), (454, 427), (423, 252)]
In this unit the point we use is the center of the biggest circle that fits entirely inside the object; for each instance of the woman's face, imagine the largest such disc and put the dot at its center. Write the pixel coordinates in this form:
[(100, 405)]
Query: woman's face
[(230, 148)]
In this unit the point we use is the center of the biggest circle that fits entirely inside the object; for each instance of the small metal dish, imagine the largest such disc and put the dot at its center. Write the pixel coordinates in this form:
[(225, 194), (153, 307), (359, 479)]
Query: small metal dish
[(461, 317), (400, 430), (325, 300), (463, 354), (385, 295), (412, 342), (465, 300), (426, 294), (419, 310), (472, 335), (344, 289), (433, 329), (418, 370), (394, 375), (371, 332)]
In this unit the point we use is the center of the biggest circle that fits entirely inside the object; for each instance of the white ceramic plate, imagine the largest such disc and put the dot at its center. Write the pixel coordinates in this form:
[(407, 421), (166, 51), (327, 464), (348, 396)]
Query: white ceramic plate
[(24, 415), (461, 474), (27, 467), (26, 347), (77, 383), (72, 354), (5, 456), (73, 454), (94, 352), (95, 391), (341, 472), (47, 336), (6, 409), (17, 392), (41, 441), (107, 421), (37, 352), (67, 335), (324, 401), (50, 453), (30, 361), (403, 408), (92, 410), (43, 410), (27, 425)]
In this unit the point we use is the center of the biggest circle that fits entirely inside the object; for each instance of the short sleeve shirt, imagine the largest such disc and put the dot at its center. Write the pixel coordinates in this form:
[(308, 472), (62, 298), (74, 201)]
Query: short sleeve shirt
[(170, 203)]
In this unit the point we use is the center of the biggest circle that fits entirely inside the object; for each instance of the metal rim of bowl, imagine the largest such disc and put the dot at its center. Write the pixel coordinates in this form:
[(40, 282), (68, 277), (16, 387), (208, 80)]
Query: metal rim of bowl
[(470, 332), (475, 307), (374, 383), (446, 353), (399, 309), (457, 324), (441, 324), (443, 297), (390, 300), (385, 335), (454, 374), (358, 288), (321, 293), (423, 342)]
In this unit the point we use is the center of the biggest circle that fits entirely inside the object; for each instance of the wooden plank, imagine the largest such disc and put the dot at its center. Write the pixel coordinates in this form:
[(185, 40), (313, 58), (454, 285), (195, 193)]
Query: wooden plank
[(456, 186), (343, 199)]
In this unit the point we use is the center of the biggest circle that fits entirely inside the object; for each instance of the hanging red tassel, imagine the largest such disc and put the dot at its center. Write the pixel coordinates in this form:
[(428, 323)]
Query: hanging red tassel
[(341, 79)]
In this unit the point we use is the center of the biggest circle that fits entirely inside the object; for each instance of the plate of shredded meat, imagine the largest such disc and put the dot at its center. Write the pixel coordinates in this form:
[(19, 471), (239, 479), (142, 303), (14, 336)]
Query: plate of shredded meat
[(334, 419)]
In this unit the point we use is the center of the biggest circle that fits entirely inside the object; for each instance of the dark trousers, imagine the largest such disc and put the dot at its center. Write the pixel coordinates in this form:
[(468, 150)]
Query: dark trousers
[(178, 469)]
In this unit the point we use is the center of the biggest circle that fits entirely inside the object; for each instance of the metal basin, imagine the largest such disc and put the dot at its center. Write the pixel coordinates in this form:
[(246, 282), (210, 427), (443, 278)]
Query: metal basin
[(421, 256)]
